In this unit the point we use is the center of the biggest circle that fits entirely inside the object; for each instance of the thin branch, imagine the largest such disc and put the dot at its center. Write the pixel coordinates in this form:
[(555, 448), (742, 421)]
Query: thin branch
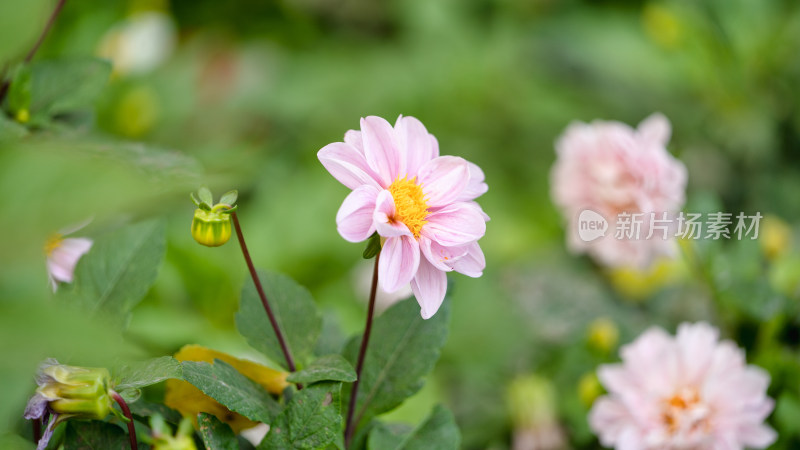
[(127, 412), (285, 348), (32, 52)]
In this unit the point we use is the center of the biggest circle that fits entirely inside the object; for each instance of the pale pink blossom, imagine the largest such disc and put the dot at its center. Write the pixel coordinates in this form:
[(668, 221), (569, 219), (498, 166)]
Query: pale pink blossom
[(421, 204), (691, 391), (611, 168), (63, 255)]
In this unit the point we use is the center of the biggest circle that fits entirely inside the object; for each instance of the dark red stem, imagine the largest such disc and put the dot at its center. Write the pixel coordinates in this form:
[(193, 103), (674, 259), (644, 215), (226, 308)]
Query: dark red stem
[(350, 426), (32, 52), (127, 412), (37, 430), (286, 353)]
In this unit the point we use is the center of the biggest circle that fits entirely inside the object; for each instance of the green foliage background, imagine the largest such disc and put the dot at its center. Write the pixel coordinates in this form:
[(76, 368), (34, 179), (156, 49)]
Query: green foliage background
[(255, 88)]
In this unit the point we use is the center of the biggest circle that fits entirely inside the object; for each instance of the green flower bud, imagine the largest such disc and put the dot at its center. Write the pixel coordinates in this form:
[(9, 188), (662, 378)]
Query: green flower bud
[(532, 400), (70, 391), (211, 228), (211, 225)]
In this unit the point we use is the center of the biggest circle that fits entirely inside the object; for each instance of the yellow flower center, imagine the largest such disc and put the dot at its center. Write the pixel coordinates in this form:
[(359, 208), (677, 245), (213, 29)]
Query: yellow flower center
[(409, 204), (685, 411), (52, 243)]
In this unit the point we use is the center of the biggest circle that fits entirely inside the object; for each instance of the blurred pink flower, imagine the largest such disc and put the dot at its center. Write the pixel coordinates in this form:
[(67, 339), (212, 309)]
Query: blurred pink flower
[(610, 168), (420, 203), (63, 255), (687, 392)]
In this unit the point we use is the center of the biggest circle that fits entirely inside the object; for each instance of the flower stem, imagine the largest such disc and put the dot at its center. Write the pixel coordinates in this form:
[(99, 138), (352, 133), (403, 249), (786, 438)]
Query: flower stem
[(37, 430), (127, 412), (32, 52), (286, 353), (350, 426)]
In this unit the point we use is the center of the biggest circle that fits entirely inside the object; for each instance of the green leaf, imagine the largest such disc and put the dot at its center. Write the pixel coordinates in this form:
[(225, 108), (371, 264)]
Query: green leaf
[(120, 268), (20, 24), (388, 435), (95, 435), (205, 196), (10, 129), (143, 409), (331, 367), (373, 246), (63, 86), (145, 373), (15, 442), (312, 419), (438, 432), (294, 310), (229, 198), (216, 435), (226, 385), (403, 349), (19, 92)]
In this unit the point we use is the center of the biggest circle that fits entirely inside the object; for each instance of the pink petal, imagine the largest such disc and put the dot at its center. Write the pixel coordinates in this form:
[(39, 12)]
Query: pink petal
[(75, 227), (471, 264), (655, 129), (381, 150), (443, 179), (608, 418), (485, 216), (62, 261), (429, 286), (354, 219), (347, 165), (696, 344), (413, 136), (353, 137), (434, 146), (457, 224), (476, 186), (758, 436), (439, 256), (399, 262), (382, 217)]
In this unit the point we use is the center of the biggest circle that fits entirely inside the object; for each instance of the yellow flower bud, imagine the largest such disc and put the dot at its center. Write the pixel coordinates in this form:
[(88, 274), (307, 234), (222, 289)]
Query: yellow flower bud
[(23, 116), (662, 25), (211, 225), (638, 284), (589, 389), (603, 335), (211, 228), (776, 237)]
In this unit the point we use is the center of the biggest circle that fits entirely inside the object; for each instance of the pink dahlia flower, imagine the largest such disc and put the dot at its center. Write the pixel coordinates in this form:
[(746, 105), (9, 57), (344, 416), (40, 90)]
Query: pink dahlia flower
[(610, 168), (687, 392), (63, 255), (421, 204)]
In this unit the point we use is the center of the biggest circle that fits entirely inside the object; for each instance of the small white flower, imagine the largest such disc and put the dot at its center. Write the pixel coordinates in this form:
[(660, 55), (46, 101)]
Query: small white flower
[(139, 44)]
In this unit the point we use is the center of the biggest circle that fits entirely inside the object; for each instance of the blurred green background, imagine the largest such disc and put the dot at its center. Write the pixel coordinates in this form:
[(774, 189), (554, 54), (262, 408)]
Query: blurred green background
[(242, 94)]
